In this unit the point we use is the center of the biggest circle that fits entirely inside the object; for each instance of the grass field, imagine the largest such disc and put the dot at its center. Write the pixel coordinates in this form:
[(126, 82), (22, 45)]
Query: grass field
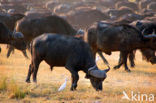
[(14, 89)]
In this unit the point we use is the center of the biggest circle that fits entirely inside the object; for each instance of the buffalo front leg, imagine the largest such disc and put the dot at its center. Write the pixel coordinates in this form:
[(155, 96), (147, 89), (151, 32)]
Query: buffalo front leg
[(25, 54), (75, 78), (10, 49), (36, 65), (103, 58), (30, 71)]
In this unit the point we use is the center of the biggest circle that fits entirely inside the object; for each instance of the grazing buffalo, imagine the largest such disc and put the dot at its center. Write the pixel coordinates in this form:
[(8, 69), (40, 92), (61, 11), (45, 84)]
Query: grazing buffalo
[(117, 13), (119, 37), (131, 5), (153, 19), (147, 28), (37, 14), (144, 3), (51, 4), (10, 21), (71, 52), (32, 28), (12, 38), (152, 6), (85, 17), (129, 18), (62, 8)]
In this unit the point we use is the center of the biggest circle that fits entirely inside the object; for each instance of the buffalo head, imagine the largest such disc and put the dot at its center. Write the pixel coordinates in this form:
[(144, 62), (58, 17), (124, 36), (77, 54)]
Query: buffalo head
[(151, 38), (18, 41), (97, 76)]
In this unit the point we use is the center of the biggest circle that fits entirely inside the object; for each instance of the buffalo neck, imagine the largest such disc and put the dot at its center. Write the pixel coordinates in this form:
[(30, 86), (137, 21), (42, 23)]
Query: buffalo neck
[(89, 65), (144, 43), (6, 38)]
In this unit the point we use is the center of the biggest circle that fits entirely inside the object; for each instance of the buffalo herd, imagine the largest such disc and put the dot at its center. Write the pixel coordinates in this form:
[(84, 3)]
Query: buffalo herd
[(70, 34)]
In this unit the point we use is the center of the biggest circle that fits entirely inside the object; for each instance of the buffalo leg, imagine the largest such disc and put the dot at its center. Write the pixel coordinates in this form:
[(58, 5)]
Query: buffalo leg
[(30, 71), (75, 77), (103, 58), (25, 54), (10, 50), (120, 62), (36, 65), (131, 58), (125, 55)]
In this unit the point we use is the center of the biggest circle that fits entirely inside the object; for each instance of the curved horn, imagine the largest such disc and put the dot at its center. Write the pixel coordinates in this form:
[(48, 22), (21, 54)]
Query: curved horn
[(150, 36), (106, 70), (153, 35), (93, 71)]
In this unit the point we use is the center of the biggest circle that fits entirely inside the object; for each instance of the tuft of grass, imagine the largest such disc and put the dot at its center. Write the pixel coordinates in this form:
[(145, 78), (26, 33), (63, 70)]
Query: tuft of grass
[(16, 92), (19, 93), (3, 84)]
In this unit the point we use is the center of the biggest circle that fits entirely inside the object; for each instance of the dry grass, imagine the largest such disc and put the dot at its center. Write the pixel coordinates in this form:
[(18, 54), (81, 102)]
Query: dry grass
[(13, 72)]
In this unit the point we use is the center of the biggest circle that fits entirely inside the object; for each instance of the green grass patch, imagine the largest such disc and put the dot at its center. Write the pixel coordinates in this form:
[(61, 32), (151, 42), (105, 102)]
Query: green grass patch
[(3, 84)]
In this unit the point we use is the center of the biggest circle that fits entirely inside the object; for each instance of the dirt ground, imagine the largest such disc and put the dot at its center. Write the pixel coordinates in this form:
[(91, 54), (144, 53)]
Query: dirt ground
[(142, 80)]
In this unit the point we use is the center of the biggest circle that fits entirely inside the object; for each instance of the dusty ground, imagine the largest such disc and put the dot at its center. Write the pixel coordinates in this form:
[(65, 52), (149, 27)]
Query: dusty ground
[(142, 80)]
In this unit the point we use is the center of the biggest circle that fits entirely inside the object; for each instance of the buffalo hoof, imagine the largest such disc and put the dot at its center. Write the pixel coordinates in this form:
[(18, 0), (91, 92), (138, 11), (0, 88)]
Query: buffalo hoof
[(72, 89), (132, 65), (35, 81), (116, 67), (128, 70), (28, 81)]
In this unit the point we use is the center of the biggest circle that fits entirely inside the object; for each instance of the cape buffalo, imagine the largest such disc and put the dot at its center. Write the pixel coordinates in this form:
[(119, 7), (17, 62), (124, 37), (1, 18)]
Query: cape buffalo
[(152, 6), (10, 21), (117, 13), (131, 5), (119, 37), (143, 4), (32, 28), (147, 28), (84, 18), (71, 52), (12, 38)]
